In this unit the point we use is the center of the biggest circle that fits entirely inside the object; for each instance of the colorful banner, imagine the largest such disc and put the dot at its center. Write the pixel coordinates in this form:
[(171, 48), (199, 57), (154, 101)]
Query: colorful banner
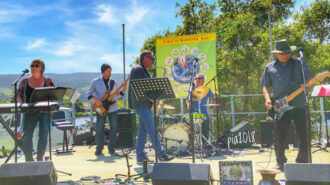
[(176, 55)]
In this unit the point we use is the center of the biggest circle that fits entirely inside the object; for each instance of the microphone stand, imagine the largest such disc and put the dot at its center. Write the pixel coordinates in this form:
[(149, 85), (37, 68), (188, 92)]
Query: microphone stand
[(307, 112), (191, 109), (16, 110)]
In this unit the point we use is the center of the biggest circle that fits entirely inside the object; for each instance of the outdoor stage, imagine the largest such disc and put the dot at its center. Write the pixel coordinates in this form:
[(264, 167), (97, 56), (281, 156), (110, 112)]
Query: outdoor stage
[(84, 163)]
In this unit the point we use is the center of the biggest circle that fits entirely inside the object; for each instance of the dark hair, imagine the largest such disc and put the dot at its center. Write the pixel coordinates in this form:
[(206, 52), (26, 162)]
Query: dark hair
[(104, 67), (39, 62), (145, 53)]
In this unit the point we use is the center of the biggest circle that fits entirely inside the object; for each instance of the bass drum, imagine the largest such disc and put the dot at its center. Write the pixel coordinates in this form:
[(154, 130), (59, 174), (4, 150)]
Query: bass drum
[(177, 137)]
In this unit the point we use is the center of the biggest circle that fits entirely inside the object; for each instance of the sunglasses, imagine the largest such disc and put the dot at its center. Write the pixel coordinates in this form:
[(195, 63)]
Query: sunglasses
[(152, 57), (284, 53), (199, 78), (34, 65)]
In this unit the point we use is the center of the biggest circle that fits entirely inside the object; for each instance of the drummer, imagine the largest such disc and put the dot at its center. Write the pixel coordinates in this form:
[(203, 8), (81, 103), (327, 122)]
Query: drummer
[(201, 94)]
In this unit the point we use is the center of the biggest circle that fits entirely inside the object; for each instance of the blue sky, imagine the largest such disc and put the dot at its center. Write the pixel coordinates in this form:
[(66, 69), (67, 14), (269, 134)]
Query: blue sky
[(79, 35)]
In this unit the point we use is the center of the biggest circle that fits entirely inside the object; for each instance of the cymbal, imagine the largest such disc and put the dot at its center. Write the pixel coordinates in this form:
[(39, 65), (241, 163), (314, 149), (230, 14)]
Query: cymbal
[(200, 92), (166, 106), (212, 105)]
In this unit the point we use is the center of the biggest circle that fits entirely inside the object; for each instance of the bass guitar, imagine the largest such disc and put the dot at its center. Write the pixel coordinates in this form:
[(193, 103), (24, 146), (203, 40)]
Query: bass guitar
[(281, 106), (107, 101)]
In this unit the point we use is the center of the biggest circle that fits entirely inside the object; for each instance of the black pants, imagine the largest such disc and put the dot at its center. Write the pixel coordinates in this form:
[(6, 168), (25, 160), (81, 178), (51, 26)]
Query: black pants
[(281, 132)]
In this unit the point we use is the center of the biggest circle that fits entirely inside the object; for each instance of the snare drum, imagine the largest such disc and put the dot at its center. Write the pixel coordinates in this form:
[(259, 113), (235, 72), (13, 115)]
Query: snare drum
[(177, 135)]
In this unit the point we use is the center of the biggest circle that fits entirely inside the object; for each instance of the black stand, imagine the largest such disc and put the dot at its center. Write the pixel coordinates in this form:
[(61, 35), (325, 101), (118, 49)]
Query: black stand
[(327, 144), (129, 175), (18, 142), (191, 108), (51, 94), (307, 112), (16, 114), (153, 89)]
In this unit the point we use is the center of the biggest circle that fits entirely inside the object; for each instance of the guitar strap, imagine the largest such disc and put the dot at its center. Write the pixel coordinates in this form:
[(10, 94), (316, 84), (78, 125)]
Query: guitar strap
[(112, 83)]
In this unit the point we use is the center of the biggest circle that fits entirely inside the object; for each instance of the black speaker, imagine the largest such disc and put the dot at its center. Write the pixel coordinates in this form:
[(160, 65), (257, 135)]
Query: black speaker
[(242, 135), (126, 120), (307, 174), (266, 134), (29, 173), (126, 139), (181, 173)]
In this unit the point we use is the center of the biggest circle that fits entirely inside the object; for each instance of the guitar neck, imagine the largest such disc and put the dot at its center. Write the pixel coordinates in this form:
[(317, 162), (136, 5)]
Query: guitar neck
[(298, 91), (115, 92)]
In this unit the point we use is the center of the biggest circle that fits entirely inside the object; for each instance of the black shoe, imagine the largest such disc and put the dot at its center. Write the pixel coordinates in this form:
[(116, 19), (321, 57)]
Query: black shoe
[(166, 157), (98, 152), (115, 154), (149, 161)]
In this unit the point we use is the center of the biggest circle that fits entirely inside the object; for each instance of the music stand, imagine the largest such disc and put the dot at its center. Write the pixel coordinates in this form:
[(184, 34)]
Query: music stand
[(152, 89), (51, 94), (322, 91)]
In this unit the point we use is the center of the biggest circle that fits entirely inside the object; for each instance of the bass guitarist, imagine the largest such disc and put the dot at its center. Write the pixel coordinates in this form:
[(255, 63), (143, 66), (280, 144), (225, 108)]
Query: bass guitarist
[(283, 76), (95, 93)]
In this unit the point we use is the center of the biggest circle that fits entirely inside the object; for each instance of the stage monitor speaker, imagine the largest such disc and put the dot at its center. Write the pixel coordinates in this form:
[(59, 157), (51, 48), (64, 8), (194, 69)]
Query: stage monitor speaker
[(307, 174), (266, 134), (242, 135), (181, 173), (126, 120), (125, 139), (29, 173)]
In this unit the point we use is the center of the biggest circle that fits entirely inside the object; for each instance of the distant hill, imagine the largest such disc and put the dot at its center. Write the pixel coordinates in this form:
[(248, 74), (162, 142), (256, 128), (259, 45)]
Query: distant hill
[(78, 81)]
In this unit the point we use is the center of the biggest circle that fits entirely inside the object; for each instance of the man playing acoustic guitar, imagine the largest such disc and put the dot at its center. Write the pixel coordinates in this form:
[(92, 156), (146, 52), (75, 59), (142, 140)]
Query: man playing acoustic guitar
[(98, 89), (284, 76)]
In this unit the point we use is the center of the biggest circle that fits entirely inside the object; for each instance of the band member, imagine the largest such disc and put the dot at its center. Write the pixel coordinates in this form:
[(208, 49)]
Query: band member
[(142, 108), (95, 93), (199, 106), (30, 120), (284, 76)]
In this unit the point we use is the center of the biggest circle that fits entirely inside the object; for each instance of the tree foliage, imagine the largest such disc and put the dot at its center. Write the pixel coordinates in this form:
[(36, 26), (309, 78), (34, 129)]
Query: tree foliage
[(243, 39)]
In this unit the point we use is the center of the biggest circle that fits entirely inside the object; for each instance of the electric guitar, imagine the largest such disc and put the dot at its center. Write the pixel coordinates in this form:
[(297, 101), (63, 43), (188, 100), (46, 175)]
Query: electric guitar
[(107, 102), (281, 105)]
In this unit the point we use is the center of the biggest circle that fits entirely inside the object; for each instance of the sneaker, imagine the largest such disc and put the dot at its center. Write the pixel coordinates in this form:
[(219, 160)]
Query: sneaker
[(166, 157), (149, 161), (98, 152)]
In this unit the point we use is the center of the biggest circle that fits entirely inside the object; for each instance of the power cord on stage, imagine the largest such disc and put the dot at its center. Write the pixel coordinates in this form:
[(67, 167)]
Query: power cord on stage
[(270, 157)]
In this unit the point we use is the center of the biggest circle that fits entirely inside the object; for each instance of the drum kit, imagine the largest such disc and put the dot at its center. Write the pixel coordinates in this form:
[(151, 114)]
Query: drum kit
[(176, 135)]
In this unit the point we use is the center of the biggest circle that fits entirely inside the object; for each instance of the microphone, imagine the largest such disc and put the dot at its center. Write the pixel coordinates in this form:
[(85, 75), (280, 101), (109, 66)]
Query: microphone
[(25, 71)]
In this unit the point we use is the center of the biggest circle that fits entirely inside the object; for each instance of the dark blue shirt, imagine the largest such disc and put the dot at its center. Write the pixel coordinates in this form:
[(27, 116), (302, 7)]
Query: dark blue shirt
[(278, 77)]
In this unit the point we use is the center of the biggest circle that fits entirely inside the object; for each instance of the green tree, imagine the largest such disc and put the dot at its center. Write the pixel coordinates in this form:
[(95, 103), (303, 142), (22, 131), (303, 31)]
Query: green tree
[(315, 20)]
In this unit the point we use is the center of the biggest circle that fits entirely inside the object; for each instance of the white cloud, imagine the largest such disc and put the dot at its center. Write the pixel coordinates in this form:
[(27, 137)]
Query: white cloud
[(69, 49), (136, 15), (106, 14), (35, 44)]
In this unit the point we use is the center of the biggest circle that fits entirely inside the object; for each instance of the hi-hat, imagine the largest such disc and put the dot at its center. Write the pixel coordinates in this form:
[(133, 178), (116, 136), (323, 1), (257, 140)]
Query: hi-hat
[(200, 92)]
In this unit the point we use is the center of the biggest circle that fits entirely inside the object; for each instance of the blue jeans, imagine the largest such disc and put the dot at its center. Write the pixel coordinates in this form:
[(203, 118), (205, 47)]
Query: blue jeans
[(146, 126), (99, 137), (30, 121)]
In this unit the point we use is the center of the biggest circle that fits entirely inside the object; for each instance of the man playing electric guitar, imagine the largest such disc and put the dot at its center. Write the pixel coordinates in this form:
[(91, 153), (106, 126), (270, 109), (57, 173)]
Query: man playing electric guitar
[(96, 92), (284, 75)]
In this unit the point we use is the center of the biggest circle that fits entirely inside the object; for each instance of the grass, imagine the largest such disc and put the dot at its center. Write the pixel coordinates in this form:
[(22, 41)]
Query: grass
[(8, 92)]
